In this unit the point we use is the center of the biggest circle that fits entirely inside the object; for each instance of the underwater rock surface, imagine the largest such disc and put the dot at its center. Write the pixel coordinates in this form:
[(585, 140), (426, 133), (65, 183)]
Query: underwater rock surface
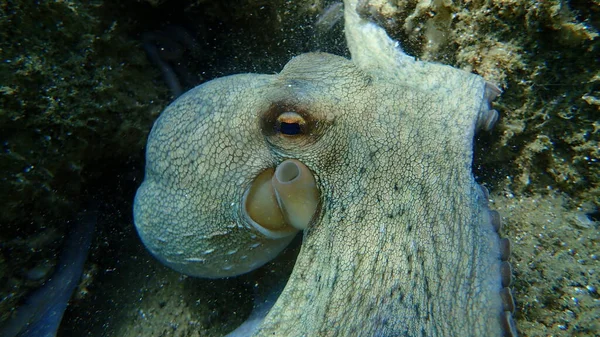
[(42, 312), (540, 164)]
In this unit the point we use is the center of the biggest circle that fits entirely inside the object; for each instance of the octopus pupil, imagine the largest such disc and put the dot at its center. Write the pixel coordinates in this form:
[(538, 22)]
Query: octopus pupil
[(289, 128)]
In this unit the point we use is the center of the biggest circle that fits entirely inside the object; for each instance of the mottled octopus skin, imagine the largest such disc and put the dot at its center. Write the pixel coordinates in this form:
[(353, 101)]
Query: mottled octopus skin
[(403, 244)]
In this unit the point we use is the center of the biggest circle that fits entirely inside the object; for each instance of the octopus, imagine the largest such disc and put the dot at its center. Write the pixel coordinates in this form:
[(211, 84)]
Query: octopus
[(371, 158)]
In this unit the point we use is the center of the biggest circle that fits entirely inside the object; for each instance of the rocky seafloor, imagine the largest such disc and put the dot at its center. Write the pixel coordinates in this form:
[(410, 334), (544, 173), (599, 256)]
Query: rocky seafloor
[(79, 95)]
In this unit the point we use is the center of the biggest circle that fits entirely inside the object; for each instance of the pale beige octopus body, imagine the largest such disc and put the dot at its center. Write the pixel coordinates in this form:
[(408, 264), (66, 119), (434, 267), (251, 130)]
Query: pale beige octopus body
[(371, 157)]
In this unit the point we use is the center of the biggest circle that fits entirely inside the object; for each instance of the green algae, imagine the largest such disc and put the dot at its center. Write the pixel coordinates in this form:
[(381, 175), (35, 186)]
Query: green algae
[(66, 93), (67, 109)]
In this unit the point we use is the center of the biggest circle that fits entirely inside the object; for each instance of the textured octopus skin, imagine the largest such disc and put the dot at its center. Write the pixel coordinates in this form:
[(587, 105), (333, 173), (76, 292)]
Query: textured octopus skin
[(403, 243)]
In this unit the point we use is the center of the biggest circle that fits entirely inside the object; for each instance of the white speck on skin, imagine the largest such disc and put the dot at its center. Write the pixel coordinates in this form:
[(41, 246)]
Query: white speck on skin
[(583, 220)]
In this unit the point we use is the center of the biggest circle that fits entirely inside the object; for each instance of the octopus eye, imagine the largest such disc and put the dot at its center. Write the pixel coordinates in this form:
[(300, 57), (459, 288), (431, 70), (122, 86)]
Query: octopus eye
[(292, 128), (290, 124)]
